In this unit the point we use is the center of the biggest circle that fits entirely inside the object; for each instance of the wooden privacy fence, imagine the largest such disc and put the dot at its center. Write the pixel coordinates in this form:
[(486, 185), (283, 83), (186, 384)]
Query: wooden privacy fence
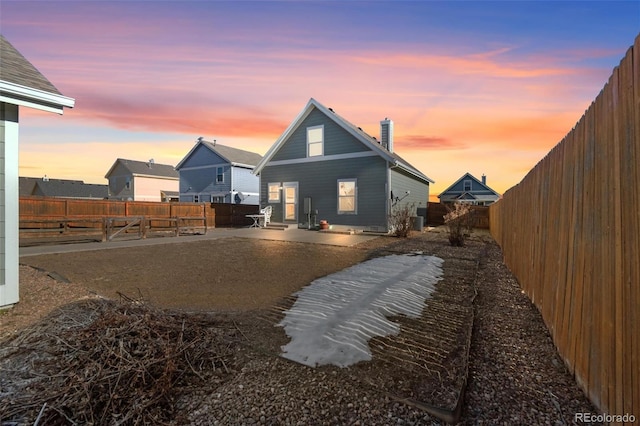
[(234, 214), (49, 216), (436, 212), (570, 233)]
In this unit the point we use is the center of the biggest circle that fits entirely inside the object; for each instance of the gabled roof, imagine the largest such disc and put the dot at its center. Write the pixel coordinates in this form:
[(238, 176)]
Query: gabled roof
[(22, 84), (354, 130), (470, 176), (145, 168), (233, 156), (70, 189), (26, 185)]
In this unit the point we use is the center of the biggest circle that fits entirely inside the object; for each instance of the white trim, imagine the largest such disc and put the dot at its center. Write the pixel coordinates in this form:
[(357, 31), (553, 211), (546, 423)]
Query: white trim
[(324, 158), (9, 215), (135, 175), (34, 98), (284, 200), (207, 166), (321, 142)]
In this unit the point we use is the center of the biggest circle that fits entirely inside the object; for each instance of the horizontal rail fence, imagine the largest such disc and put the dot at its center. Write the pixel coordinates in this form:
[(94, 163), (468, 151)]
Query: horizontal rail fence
[(54, 217), (570, 233), (436, 212)]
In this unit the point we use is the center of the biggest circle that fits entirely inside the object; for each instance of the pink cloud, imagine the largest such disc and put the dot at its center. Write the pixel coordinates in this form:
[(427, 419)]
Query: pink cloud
[(180, 117), (413, 142)]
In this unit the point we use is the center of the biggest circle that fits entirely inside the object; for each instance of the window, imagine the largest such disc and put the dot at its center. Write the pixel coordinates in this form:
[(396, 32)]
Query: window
[(467, 185), (347, 201), (196, 199), (217, 199), (315, 139), (220, 175), (127, 184), (274, 192)]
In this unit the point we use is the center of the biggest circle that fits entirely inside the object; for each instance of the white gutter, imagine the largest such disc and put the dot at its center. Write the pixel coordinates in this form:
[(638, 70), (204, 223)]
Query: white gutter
[(34, 98)]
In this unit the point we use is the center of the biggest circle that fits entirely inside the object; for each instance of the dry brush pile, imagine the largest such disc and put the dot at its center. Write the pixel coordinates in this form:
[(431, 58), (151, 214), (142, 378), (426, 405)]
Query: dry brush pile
[(112, 362)]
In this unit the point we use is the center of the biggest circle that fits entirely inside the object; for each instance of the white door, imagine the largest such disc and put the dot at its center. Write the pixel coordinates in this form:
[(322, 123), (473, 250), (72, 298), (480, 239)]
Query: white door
[(290, 201)]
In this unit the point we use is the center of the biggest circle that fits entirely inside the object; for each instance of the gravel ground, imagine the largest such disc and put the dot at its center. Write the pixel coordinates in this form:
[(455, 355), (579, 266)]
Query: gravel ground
[(515, 375)]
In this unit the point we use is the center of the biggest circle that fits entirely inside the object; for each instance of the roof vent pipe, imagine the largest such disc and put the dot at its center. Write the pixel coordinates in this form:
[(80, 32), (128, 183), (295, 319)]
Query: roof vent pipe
[(386, 134)]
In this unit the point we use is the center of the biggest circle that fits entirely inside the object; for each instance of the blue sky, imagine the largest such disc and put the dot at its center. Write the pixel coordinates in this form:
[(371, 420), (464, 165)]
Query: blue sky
[(472, 86)]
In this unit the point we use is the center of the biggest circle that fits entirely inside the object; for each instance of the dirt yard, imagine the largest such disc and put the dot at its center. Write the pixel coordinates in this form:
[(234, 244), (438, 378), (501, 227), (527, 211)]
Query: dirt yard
[(228, 294)]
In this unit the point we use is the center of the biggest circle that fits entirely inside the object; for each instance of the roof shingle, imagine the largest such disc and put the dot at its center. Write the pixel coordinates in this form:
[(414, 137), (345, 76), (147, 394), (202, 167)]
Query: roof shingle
[(16, 69)]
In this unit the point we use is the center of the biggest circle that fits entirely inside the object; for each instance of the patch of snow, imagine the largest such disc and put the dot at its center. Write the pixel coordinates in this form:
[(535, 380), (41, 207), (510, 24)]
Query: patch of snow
[(334, 317)]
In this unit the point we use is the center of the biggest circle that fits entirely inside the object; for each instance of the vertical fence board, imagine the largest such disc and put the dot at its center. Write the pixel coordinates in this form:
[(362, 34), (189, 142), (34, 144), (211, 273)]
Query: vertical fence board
[(632, 209), (619, 114)]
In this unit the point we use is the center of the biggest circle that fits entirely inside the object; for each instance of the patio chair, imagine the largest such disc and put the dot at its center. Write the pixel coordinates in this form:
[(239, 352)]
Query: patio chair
[(267, 214)]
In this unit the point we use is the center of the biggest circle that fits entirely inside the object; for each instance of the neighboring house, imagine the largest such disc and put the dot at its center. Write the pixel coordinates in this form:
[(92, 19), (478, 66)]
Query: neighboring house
[(214, 173), (469, 189), (324, 163), (131, 180), (62, 188), (21, 85)]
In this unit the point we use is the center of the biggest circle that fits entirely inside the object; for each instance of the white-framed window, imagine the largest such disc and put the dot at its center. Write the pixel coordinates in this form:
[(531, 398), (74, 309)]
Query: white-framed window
[(217, 199), (273, 189), (196, 199), (466, 185), (347, 196), (315, 141), (219, 174)]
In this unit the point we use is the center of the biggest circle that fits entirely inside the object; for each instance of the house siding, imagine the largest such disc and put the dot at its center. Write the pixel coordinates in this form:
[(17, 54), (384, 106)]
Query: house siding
[(336, 139), (148, 189), (319, 180), (117, 183), (418, 196), (198, 176), (245, 181)]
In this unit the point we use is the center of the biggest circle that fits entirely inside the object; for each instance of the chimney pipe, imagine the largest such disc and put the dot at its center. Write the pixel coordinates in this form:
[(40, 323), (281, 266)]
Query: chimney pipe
[(386, 134), (484, 179)]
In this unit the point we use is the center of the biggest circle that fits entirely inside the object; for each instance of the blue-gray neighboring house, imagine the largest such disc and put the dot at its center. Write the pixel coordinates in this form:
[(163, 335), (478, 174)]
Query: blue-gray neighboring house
[(214, 173), (325, 168), (471, 190)]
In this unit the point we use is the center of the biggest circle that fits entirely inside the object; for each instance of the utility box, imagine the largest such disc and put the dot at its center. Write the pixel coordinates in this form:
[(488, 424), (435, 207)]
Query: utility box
[(418, 223)]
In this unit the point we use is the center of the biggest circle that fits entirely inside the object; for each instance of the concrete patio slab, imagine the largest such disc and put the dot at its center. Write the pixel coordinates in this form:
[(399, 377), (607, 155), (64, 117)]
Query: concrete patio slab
[(293, 235)]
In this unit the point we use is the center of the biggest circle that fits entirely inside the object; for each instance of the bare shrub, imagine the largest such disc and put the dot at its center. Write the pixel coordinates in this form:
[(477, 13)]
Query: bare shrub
[(401, 220), (459, 221)]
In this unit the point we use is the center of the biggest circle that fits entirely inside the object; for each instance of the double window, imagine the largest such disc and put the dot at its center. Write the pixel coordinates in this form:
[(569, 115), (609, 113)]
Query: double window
[(315, 141), (467, 185), (347, 196)]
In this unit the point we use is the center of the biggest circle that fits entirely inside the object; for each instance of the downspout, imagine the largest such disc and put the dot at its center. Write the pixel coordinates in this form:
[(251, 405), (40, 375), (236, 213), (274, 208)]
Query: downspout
[(231, 190), (388, 195)]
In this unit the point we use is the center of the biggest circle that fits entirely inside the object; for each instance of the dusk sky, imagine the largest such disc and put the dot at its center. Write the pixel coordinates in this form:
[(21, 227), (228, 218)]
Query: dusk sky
[(472, 86)]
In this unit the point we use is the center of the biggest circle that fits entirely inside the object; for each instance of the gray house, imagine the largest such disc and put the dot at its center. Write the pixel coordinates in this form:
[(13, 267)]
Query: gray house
[(325, 168), (215, 173), (132, 180), (471, 190)]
